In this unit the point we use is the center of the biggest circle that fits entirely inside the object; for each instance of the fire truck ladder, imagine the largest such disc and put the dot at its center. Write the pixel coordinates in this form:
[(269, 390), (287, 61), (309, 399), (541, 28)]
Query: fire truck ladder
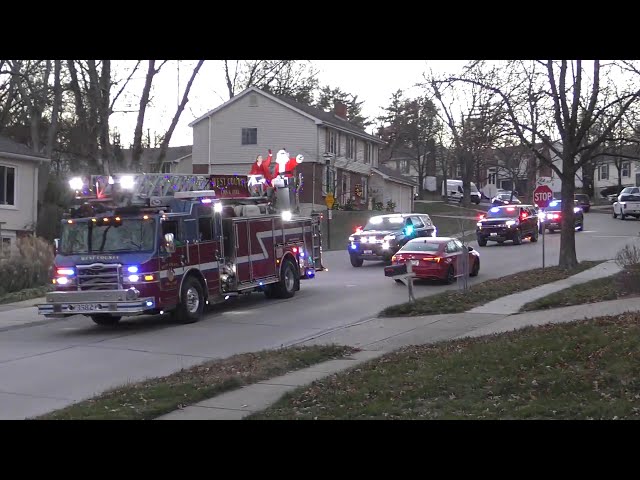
[(163, 184), (316, 242)]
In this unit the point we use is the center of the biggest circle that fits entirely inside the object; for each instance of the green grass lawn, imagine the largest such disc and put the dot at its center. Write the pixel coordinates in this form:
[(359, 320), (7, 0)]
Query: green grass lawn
[(485, 292), (623, 284), (442, 208), (580, 370), (152, 398), (26, 294)]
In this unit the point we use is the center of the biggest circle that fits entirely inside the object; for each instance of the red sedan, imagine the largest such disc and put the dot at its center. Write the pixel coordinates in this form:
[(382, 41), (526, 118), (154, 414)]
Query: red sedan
[(437, 258)]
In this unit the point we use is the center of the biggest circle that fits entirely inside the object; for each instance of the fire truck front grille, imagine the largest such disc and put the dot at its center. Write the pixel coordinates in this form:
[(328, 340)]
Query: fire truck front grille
[(99, 277)]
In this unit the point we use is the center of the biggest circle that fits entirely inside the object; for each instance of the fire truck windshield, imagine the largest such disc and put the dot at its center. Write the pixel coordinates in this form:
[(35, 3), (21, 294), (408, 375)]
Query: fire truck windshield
[(124, 235)]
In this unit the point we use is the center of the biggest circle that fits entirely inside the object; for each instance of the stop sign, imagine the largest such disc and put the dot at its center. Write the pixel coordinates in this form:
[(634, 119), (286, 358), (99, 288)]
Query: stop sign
[(542, 195)]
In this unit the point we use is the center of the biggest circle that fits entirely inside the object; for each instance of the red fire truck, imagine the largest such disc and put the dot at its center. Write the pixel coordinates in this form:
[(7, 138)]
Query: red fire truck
[(156, 243)]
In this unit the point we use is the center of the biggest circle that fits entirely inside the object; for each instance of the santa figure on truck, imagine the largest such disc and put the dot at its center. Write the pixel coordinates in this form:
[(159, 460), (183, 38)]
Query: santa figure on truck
[(285, 167)]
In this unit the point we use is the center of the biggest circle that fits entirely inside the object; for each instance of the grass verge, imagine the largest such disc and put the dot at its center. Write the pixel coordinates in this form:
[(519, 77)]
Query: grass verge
[(442, 208), (580, 370), (453, 226), (622, 284), (152, 398), (26, 294), (485, 292)]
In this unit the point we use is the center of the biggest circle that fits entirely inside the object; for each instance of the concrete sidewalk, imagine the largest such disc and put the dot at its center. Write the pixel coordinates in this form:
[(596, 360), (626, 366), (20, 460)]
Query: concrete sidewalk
[(513, 303), (378, 336), (20, 314)]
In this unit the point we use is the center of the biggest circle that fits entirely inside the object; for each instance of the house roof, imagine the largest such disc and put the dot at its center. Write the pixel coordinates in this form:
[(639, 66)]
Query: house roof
[(8, 145), (389, 174), (149, 155), (317, 115)]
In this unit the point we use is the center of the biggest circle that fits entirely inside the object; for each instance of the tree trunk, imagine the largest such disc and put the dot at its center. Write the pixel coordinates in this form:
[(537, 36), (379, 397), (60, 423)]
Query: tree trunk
[(568, 257), (103, 115), (167, 137), (55, 111), (136, 151)]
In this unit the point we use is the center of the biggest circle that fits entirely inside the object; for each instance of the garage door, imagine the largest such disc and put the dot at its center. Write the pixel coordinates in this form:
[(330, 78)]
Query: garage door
[(401, 196)]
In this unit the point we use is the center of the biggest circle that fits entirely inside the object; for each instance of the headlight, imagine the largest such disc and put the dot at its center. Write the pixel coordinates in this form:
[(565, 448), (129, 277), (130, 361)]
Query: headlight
[(76, 183), (351, 238), (385, 246), (286, 215), (435, 232), (479, 224), (576, 210), (388, 238), (510, 223)]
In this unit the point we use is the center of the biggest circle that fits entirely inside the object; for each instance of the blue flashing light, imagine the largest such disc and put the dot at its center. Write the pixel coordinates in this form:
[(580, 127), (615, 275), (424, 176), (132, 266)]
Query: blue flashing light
[(132, 269), (554, 203), (494, 210), (408, 230), (149, 303), (353, 246), (261, 283), (301, 253), (311, 273)]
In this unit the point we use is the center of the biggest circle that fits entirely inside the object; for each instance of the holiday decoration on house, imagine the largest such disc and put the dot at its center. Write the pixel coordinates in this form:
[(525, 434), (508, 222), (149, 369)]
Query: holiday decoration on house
[(358, 190)]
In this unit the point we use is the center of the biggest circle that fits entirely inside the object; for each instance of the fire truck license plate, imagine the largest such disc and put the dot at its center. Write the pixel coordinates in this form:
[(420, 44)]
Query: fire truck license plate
[(368, 252), (85, 306)]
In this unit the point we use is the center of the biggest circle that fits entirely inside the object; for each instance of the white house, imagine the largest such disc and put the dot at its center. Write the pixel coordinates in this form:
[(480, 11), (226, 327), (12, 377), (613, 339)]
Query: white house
[(227, 139), (610, 170), (18, 191)]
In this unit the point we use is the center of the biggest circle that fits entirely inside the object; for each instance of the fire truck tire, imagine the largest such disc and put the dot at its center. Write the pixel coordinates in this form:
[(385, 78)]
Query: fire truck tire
[(191, 304), (105, 320), (287, 286)]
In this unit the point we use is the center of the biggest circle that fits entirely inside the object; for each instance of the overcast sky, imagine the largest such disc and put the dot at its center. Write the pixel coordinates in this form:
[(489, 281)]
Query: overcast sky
[(373, 81)]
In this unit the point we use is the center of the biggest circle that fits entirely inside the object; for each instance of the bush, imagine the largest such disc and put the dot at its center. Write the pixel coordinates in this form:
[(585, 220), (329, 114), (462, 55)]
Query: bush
[(629, 257), (30, 268)]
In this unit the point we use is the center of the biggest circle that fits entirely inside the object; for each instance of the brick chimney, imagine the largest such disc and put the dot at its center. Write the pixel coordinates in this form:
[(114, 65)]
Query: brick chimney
[(340, 109)]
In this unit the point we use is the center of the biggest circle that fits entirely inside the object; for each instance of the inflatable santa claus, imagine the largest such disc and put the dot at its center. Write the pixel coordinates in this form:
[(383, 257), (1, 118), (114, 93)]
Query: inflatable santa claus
[(285, 167)]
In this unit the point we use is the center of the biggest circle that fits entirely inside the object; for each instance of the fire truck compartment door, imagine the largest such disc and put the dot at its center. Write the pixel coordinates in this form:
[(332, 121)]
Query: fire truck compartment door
[(261, 248)]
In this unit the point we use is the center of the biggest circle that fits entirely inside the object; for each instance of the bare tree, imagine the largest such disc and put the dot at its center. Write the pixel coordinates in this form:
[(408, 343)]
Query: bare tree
[(572, 102), (167, 137)]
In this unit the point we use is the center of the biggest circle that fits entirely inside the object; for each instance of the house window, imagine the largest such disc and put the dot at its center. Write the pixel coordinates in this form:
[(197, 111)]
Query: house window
[(5, 247), (491, 178), (333, 141), (166, 167), (626, 169), (367, 153), (249, 136), (346, 187), (603, 172), (458, 171), (7, 185), (332, 177), (351, 147)]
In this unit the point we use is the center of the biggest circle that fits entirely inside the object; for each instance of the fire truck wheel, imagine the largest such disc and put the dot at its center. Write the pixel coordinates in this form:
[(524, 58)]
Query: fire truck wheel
[(192, 302), (105, 320), (286, 287)]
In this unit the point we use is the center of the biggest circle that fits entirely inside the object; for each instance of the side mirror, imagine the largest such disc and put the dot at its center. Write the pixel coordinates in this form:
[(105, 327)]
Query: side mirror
[(56, 245), (169, 243), (471, 249)]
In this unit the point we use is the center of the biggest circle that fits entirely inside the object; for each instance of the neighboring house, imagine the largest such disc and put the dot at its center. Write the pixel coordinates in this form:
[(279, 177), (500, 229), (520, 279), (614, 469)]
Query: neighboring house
[(177, 159), (387, 185), (227, 140), (499, 175), (18, 191), (611, 168), (403, 161)]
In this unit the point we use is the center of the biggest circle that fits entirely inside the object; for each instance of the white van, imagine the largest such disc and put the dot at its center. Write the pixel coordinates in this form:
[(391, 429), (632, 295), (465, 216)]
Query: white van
[(453, 190)]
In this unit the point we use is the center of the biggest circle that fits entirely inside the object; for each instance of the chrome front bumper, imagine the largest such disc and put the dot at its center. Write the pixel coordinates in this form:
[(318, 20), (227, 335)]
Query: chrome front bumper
[(62, 304)]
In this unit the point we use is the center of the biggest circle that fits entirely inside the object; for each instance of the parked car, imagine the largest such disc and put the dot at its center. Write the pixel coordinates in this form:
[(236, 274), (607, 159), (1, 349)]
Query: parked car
[(384, 235), (628, 205), (437, 258), (583, 201), (453, 190), (553, 218), (505, 198), (508, 222)]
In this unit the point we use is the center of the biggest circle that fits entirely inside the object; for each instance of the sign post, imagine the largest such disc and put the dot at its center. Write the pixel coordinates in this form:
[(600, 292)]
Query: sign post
[(329, 200), (542, 195)]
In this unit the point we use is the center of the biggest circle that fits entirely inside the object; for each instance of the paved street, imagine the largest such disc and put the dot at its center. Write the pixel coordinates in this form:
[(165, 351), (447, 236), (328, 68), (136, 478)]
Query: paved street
[(44, 367)]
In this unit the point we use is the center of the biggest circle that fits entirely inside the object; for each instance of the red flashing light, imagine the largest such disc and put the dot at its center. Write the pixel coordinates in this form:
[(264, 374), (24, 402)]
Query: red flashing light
[(358, 229), (481, 217), (523, 216), (511, 209), (294, 250)]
